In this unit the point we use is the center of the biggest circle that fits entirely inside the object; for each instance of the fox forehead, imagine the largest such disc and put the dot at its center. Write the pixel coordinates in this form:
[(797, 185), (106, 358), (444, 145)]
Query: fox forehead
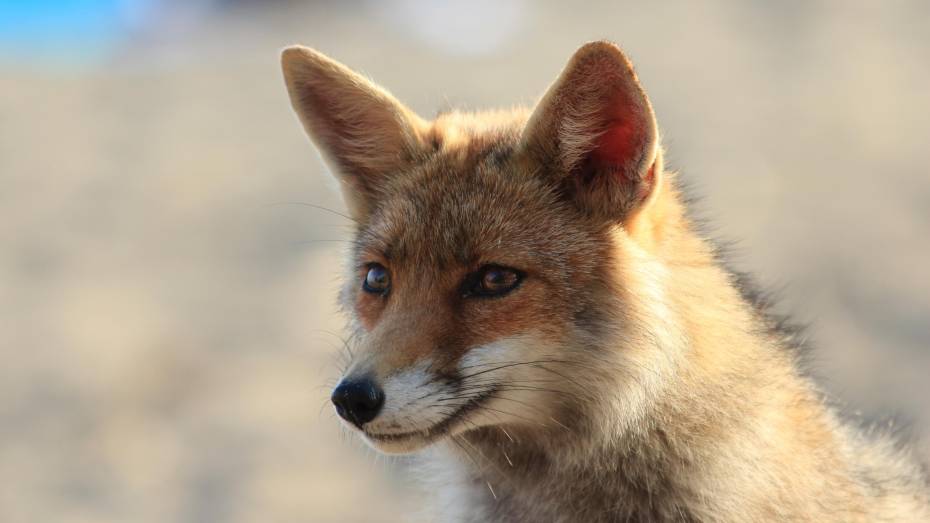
[(468, 203)]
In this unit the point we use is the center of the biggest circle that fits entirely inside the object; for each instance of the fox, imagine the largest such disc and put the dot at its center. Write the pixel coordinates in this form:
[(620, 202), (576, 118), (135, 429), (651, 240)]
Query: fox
[(536, 315)]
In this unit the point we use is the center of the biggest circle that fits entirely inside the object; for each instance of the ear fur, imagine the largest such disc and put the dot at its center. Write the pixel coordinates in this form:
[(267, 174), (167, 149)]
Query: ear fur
[(362, 132), (595, 130)]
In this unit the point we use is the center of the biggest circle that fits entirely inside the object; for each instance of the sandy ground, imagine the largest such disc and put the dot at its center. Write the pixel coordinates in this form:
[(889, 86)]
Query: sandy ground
[(168, 324)]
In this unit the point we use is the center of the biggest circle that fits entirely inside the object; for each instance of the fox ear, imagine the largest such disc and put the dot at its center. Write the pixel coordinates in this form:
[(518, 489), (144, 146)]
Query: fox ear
[(594, 130), (363, 133)]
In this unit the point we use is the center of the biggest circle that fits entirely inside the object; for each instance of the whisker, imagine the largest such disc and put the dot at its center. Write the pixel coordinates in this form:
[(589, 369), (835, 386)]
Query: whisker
[(509, 387), (323, 240), (559, 423), (538, 363), (502, 429), (319, 207), (323, 406), (504, 452), (488, 483)]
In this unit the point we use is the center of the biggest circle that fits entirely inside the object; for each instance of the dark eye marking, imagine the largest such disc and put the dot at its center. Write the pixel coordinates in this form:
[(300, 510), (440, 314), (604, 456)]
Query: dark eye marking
[(377, 279), (491, 281)]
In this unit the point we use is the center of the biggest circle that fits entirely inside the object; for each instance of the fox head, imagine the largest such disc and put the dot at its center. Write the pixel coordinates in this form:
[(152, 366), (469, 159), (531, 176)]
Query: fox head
[(501, 274)]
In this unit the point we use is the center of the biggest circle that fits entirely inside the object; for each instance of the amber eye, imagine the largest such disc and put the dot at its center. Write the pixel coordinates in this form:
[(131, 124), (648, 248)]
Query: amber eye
[(492, 281), (377, 280)]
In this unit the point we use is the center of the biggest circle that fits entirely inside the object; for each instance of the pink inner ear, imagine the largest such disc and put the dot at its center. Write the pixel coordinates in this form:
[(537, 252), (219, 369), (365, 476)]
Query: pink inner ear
[(619, 148), (616, 147)]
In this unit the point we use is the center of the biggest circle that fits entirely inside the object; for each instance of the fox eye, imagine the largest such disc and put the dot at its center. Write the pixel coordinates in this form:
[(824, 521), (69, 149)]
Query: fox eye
[(492, 281), (377, 280)]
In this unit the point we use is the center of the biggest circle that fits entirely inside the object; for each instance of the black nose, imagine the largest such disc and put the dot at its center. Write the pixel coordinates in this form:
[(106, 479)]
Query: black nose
[(358, 400)]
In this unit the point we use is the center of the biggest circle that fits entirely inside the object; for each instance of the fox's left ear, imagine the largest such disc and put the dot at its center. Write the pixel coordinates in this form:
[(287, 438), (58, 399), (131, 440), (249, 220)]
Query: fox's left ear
[(595, 131)]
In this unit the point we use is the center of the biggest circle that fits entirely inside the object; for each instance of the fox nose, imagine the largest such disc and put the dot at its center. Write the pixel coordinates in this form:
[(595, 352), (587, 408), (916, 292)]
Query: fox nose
[(358, 401)]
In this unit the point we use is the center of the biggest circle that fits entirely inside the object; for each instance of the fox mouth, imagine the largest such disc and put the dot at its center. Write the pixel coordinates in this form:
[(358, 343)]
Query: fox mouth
[(441, 428)]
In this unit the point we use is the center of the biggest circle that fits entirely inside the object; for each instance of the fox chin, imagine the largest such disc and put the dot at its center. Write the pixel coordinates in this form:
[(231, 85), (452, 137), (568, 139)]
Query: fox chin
[(531, 306)]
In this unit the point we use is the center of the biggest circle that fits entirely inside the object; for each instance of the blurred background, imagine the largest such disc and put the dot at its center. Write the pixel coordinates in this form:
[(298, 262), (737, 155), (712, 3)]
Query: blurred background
[(168, 328)]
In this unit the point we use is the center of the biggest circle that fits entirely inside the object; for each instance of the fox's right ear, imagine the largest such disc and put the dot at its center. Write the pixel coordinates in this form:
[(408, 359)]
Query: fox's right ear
[(362, 132), (595, 132)]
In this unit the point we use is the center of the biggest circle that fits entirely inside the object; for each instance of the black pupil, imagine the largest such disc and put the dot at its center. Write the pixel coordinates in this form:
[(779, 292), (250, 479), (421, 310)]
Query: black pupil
[(377, 278), (495, 278)]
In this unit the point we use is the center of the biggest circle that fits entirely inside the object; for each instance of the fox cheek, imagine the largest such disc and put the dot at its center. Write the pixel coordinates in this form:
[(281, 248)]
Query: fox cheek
[(368, 310)]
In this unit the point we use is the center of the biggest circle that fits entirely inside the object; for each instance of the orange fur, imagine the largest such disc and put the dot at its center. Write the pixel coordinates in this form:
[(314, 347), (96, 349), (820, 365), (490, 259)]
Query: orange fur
[(626, 378)]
